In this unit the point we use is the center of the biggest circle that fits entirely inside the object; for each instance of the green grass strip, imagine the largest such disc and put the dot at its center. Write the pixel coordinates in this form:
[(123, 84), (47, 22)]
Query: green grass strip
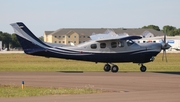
[(23, 62), (15, 91)]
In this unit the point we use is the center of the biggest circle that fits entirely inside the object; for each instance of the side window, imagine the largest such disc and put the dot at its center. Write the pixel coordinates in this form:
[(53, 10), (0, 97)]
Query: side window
[(121, 44), (103, 45), (93, 46), (113, 44)]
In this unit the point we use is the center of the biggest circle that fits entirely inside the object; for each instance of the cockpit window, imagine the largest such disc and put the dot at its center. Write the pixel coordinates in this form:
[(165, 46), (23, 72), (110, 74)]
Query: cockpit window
[(113, 44), (103, 45), (130, 42), (93, 46)]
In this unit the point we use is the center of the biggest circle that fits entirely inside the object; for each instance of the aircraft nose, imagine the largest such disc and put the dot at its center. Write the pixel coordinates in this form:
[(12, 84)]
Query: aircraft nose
[(155, 46)]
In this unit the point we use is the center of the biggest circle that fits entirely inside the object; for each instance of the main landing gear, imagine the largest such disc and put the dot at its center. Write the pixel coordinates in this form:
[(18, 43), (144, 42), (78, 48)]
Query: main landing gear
[(113, 69)]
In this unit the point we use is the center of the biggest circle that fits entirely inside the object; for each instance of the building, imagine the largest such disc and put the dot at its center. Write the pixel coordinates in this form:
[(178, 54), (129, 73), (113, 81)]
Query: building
[(80, 35)]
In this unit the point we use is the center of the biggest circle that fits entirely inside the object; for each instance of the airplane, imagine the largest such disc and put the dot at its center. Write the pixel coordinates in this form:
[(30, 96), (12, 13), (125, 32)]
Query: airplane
[(108, 50)]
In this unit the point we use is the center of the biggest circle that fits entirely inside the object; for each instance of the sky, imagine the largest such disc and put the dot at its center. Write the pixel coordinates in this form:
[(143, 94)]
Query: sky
[(50, 15)]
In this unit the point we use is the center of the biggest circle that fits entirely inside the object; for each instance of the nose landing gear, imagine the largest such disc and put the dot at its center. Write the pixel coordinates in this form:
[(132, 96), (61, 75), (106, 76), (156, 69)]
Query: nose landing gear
[(143, 68)]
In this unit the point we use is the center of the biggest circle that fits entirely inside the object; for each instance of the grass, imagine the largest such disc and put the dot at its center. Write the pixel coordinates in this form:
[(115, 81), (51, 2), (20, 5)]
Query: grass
[(23, 62), (15, 91)]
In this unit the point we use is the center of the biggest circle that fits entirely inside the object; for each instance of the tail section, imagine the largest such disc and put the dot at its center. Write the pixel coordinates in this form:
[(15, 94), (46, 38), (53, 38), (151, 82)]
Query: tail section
[(29, 42)]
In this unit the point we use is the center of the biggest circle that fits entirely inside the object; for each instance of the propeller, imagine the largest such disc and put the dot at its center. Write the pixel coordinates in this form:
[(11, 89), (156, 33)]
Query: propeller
[(164, 47)]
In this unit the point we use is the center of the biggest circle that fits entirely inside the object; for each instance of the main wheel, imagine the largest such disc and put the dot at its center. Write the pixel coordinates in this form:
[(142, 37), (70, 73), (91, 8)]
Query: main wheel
[(143, 68), (107, 68), (114, 69)]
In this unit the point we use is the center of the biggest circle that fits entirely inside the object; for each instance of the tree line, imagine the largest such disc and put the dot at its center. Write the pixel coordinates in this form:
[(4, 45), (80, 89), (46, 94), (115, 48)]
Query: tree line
[(10, 40), (169, 30)]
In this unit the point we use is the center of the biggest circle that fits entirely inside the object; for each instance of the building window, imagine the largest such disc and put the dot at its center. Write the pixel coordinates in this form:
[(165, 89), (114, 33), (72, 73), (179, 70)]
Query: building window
[(79, 36), (59, 36), (113, 44), (69, 36), (74, 36), (63, 41), (88, 36), (84, 36), (63, 36), (93, 46), (59, 41), (54, 41), (69, 42), (79, 41), (74, 41), (103, 45), (55, 36)]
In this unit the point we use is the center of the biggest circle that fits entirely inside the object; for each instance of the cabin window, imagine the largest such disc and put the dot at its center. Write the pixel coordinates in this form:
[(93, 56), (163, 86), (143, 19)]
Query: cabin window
[(113, 44), (129, 42), (154, 41), (93, 46), (103, 45), (121, 44)]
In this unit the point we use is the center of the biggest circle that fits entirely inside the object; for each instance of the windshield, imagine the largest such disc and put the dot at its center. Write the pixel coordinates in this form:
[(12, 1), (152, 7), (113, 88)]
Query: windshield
[(129, 42)]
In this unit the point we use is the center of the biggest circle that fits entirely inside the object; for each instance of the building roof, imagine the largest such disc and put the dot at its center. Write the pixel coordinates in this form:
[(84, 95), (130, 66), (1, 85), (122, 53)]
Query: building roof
[(48, 32), (90, 31)]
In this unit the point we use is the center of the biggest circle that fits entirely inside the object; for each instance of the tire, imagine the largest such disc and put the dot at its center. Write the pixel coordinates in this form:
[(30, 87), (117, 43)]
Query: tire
[(143, 68), (114, 69), (107, 68)]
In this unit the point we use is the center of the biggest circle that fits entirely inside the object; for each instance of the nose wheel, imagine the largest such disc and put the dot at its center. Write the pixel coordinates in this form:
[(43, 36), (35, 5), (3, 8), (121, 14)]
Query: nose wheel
[(143, 68), (113, 69)]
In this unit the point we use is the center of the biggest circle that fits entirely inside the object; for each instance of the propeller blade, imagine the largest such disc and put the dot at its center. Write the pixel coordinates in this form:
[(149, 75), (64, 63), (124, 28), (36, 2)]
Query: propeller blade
[(165, 36), (165, 55)]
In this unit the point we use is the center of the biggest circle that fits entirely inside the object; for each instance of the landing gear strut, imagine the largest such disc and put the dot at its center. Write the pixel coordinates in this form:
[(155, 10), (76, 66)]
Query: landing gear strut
[(143, 68), (113, 69)]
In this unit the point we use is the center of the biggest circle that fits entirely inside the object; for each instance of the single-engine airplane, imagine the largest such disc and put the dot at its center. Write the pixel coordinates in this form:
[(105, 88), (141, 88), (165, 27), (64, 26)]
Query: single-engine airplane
[(104, 49)]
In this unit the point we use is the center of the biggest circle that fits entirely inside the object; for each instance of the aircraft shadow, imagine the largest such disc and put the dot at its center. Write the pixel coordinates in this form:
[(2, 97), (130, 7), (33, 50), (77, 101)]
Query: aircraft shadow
[(176, 73), (71, 71)]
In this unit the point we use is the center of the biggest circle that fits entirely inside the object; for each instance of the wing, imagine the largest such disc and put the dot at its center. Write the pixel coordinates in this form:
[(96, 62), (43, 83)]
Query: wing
[(120, 38)]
